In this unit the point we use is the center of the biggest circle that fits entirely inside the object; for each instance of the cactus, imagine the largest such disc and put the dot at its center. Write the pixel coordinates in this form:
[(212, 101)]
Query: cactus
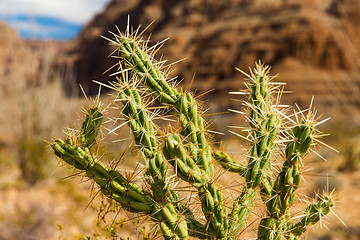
[(186, 149)]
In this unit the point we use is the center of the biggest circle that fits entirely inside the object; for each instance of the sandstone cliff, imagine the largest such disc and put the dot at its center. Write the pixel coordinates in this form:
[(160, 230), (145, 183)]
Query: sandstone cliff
[(314, 45)]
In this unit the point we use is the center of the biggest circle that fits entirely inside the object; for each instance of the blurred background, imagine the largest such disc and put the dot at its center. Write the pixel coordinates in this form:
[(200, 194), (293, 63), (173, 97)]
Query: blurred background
[(48, 48)]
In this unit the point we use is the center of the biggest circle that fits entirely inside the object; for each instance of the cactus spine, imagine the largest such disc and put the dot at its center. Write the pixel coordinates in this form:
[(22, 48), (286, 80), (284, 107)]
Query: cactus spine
[(188, 152)]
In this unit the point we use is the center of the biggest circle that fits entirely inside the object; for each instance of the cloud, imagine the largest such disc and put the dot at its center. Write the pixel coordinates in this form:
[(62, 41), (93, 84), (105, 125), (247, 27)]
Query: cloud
[(74, 11)]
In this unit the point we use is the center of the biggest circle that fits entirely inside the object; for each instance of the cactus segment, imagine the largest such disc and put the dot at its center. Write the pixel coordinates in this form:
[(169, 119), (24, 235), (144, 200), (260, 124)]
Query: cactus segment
[(172, 224), (287, 182), (270, 229), (91, 127), (144, 134), (184, 165), (228, 163), (264, 144), (111, 183), (213, 208), (193, 132), (264, 125), (313, 214), (148, 71), (241, 210), (71, 154), (210, 197), (115, 186), (142, 64)]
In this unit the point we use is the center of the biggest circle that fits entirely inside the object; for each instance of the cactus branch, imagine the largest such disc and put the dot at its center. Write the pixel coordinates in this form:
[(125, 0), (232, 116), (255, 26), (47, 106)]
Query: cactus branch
[(111, 183), (313, 214), (228, 163)]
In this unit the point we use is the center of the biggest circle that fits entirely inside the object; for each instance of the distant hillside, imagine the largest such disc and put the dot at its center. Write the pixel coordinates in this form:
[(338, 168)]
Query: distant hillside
[(29, 84), (23, 60), (13, 52), (314, 45)]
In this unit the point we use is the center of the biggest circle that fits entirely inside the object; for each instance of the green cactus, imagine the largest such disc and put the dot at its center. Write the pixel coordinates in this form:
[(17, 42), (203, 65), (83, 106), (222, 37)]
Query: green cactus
[(186, 149), (91, 127)]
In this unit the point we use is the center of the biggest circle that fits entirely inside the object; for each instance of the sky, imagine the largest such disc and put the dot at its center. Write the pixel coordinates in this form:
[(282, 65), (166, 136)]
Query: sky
[(49, 19)]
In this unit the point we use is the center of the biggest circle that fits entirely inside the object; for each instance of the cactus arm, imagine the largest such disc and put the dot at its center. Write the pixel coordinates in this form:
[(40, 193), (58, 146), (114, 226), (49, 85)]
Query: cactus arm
[(210, 197), (264, 126), (196, 228), (228, 163), (111, 183), (144, 135), (313, 214), (214, 210), (184, 165), (288, 180), (193, 132), (91, 127), (144, 67), (270, 229), (241, 210), (198, 150), (265, 129), (156, 173)]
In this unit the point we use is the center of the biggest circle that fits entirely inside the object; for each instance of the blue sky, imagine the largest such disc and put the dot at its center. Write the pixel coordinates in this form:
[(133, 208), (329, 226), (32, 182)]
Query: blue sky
[(49, 19)]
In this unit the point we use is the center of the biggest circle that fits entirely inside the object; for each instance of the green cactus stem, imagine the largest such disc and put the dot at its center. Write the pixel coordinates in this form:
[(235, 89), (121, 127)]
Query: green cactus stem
[(241, 209), (264, 126), (287, 182), (228, 163), (211, 198), (91, 127), (144, 135), (111, 183), (313, 214)]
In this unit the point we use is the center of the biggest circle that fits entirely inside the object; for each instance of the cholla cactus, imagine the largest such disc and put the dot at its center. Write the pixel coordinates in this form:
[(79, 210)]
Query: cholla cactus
[(141, 80)]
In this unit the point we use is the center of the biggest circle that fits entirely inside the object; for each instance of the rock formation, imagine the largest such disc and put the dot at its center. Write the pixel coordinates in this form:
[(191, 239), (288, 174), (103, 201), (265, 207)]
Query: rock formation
[(314, 45)]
